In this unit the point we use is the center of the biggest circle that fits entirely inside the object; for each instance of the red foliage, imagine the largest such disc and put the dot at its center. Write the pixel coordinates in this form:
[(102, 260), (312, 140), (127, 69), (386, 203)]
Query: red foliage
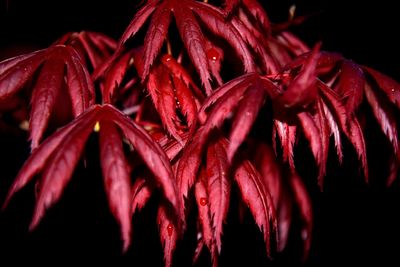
[(194, 127)]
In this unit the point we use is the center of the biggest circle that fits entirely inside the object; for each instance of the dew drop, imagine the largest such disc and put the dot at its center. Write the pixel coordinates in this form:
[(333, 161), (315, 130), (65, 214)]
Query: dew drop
[(167, 58), (203, 201), (170, 229), (212, 54)]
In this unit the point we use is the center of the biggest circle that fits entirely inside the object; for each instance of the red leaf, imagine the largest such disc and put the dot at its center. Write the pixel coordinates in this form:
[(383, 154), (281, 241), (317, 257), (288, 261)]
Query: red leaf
[(389, 86), (168, 233), (178, 71), (44, 96), (334, 130), (138, 20), (242, 81), (305, 208), (351, 85), (302, 90), (80, 85), (115, 75), (156, 35), (218, 187), (270, 65), (194, 42), (189, 163), (203, 206), (216, 22), (141, 193), (347, 123), (245, 117), (215, 56), (356, 137), (186, 101), (258, 13), (287, 136), (266, 164), (151, 153), (59, 168), (160, 88), (312, 134), (230, 5), (384, 116), (257, 197), (40, 156), (324, 132), (116, 175), (17, 71), (11, 62)]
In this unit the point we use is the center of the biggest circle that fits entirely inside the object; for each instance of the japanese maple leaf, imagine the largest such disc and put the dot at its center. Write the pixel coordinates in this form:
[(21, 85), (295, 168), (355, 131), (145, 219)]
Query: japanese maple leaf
[(170, 225), (252, 8), (187, 14), (248, 92), (94, 46), (56, 67), (286, 190), (257, 197), (173, 92), (341, 96), (57, 157)]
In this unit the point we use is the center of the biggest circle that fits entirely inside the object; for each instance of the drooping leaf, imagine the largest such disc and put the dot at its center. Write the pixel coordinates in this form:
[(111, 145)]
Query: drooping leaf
[(305, 208), (205, 219), (351, 85), (287, 137), (156, 35), (218, 188), (312, 134), (162, 94), (384, 116), (138, 20), (116, 175), (17, 71), (245, 116), (168, 232), (389, 86), (214, 19), (115, 75), (324, 132), (59, 169), (258, 199), (44, 96), (356, 137), (80, 84), (302, 90), (258, 13), (151, 153), (40, 156), (141, 193)]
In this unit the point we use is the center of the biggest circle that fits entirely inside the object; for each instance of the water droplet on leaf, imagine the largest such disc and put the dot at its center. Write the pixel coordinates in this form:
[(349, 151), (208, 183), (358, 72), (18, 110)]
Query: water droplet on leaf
[(170, 229), (203, 201)]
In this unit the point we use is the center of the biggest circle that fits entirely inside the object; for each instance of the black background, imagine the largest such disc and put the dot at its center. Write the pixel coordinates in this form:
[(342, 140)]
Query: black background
[(355, 223)]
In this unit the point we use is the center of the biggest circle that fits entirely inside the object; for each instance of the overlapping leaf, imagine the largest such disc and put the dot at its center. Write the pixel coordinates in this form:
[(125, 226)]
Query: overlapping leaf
[(52, 65), (186, 14), (58, 165)]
